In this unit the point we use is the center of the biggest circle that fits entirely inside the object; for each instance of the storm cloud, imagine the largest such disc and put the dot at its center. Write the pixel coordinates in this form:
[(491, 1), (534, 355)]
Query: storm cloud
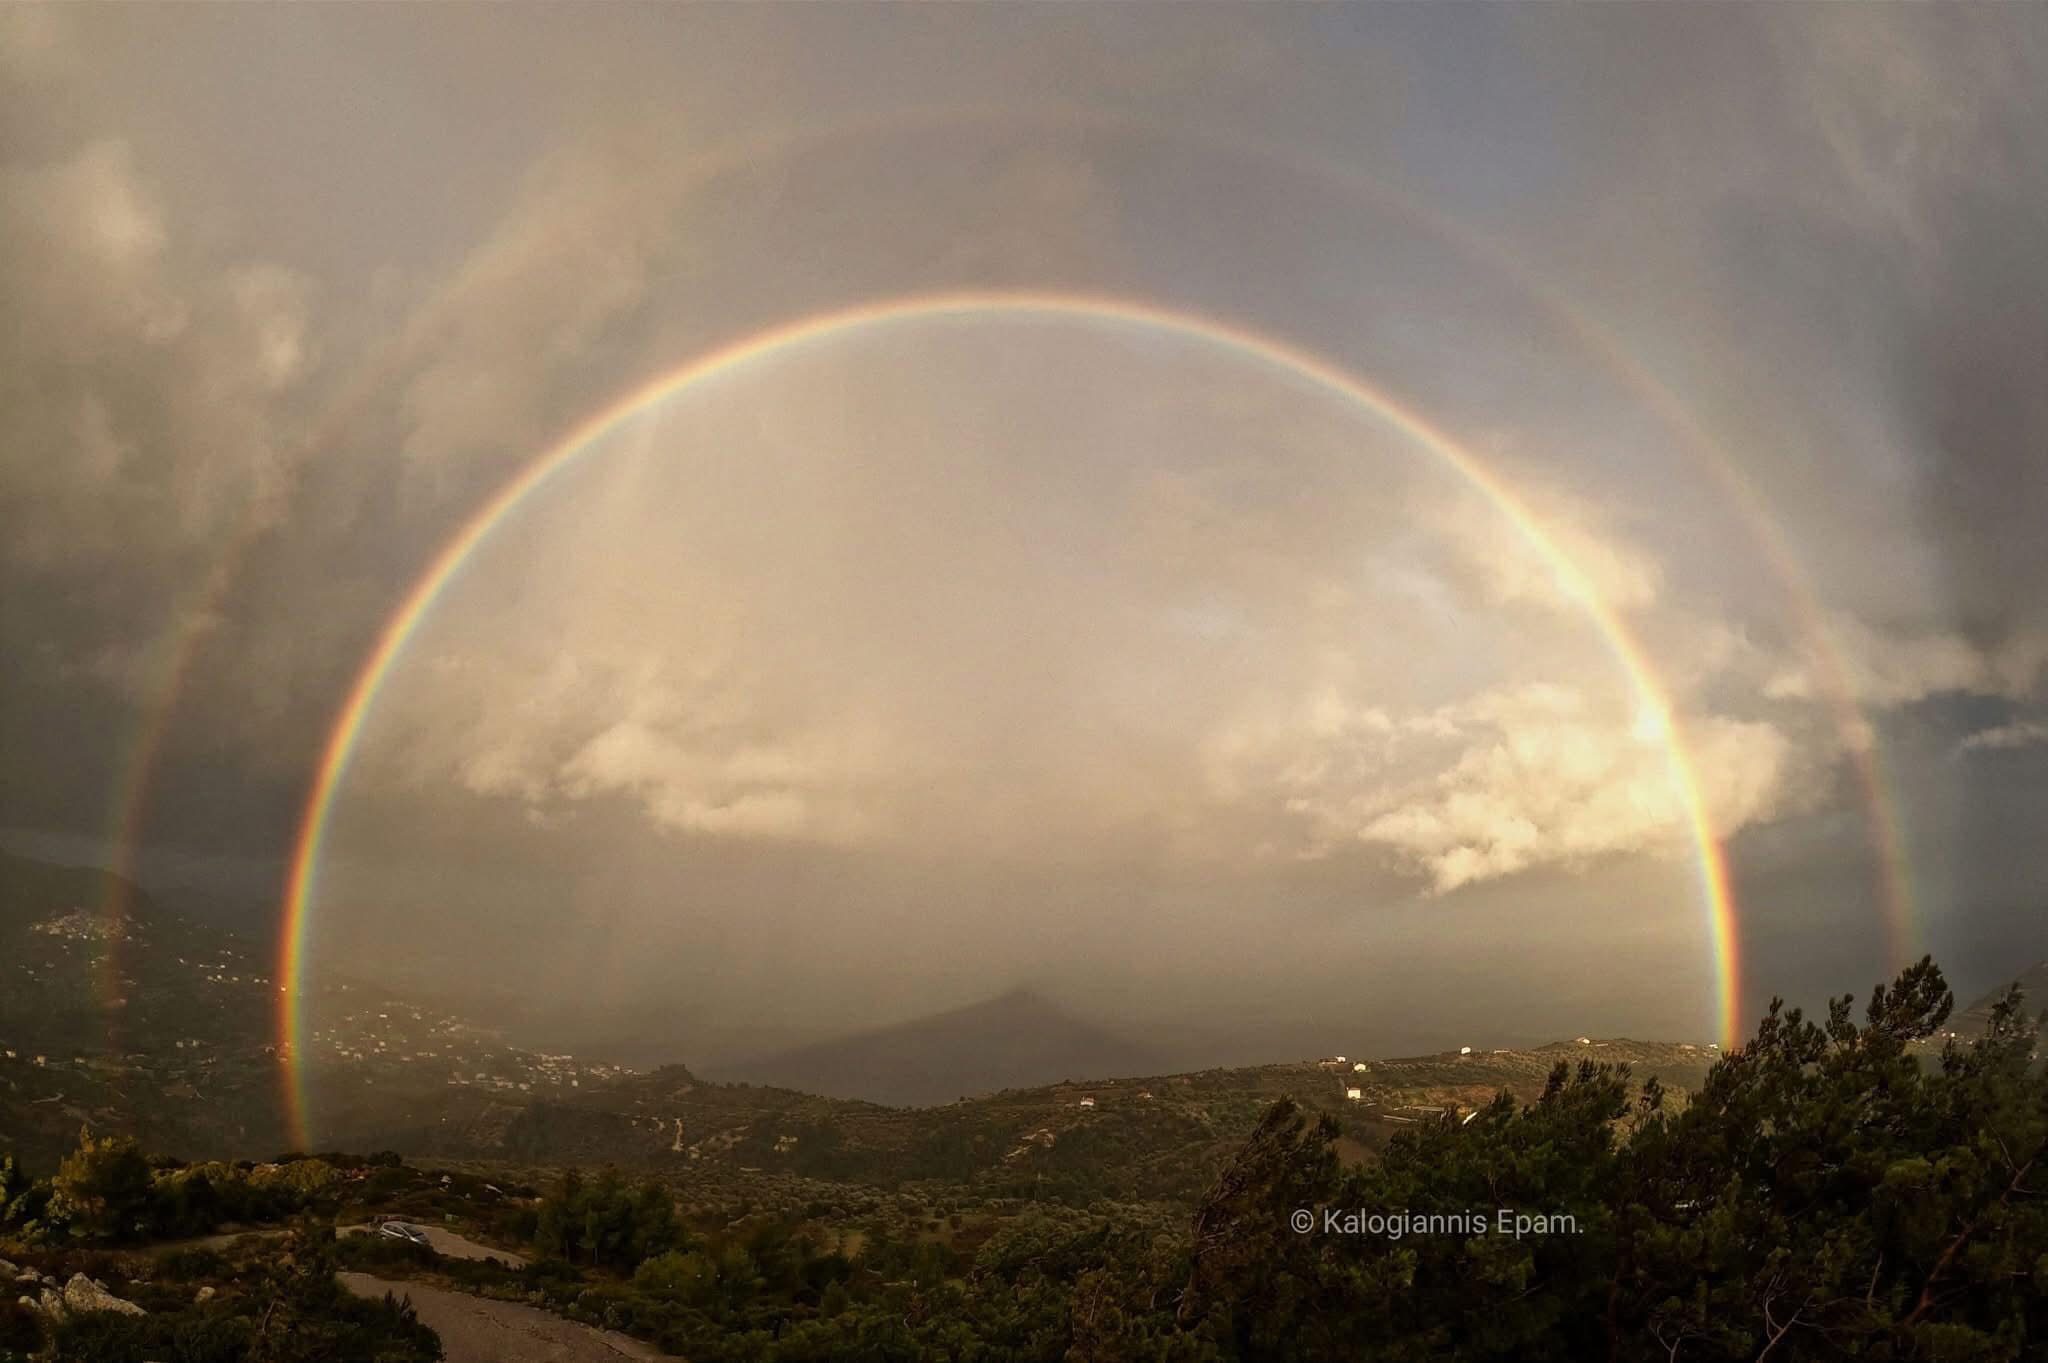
[(1051, 648)]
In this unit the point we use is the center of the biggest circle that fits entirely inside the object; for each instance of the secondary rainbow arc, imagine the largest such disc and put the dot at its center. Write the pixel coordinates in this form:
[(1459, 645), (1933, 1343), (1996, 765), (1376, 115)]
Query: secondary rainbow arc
[(131, 790), (1304, 366)]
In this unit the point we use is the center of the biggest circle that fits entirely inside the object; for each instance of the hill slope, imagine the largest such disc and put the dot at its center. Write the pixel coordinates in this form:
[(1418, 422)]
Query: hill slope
[(121, 1014), (163, 1026), (1014, 1041), (2033, 982), (1147, 1139)]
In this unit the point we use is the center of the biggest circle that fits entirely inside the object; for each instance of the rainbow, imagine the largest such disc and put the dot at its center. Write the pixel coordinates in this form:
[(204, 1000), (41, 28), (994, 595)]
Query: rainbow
[(1306, 368), (129, 803), (1832, 673), (1853, 729)]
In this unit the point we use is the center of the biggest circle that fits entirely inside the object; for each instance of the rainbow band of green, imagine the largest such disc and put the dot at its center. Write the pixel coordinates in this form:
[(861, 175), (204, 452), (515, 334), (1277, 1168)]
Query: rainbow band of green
[(1880, 802), (1289, 359), (1833, 672)]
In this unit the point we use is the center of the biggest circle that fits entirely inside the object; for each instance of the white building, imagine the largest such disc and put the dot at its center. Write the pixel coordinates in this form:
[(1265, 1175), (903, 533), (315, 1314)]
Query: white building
[(1355, 1095)]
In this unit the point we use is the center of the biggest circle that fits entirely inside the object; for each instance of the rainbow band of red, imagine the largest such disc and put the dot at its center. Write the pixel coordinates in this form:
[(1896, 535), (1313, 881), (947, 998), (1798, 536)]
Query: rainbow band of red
[(1302, 366)]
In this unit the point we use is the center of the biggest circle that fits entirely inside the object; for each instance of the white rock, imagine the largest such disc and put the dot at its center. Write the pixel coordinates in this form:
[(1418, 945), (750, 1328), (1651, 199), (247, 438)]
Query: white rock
[(82, 1294)]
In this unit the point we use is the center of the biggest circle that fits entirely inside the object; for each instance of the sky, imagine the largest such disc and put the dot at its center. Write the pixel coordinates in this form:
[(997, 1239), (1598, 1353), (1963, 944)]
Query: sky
[(1384, 472)]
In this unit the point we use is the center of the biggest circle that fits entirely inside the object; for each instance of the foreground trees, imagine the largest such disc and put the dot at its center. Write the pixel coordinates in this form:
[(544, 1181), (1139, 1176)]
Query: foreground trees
[(287, 1308), (1827, 1195), (605, 1224), (108, 1193)]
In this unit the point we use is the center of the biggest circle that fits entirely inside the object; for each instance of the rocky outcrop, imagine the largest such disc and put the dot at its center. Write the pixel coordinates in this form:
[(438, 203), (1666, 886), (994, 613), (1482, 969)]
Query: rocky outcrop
[(81, 1296)]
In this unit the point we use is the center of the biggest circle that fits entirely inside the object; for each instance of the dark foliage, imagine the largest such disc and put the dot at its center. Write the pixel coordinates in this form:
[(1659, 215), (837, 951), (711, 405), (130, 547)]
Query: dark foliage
[(1836, 1189), (1828, 1195)]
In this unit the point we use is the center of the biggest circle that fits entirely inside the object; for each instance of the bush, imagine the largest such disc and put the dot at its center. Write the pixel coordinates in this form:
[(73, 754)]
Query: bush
[(192, 1265), (102, 1190), (606, 1225), (20, 1332)]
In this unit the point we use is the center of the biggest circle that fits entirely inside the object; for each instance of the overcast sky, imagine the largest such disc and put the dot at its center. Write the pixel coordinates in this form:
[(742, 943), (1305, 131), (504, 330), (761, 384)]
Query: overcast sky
[(930, 658)]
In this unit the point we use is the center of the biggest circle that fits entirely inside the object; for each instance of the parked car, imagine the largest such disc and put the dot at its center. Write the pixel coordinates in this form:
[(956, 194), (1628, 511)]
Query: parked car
[(399, 1230)]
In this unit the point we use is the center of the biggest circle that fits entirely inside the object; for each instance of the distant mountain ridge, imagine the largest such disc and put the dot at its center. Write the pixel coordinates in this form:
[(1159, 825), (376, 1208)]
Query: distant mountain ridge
[(160, 1026), (1017, 1040)]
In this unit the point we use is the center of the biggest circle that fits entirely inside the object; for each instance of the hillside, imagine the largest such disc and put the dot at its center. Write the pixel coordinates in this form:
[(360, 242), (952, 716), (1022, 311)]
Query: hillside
[(1013, 1041), (747, 1231), (1131, 1139), (118, 1013), (157, 1025), (2033, 982)]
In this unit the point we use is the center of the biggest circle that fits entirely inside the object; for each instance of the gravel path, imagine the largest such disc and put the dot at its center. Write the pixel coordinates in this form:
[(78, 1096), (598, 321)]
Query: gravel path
[(478, 1330)]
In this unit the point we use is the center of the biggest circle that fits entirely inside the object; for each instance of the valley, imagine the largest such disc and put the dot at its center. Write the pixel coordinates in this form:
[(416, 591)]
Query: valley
[(180, 1053), (570, 1212)]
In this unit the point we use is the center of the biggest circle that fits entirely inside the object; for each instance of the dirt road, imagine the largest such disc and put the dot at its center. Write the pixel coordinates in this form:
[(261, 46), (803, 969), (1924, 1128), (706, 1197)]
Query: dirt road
[(477, 1330)]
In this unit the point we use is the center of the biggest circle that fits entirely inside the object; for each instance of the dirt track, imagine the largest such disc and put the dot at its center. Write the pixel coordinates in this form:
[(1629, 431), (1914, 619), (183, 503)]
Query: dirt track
[(477, 1330)]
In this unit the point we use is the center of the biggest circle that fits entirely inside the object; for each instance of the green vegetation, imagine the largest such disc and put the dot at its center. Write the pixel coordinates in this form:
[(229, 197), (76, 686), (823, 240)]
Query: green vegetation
[(1834, 1190), (1825, 1196), (605, 1225), (284, 1307), (107, 1192), (268, 1300)]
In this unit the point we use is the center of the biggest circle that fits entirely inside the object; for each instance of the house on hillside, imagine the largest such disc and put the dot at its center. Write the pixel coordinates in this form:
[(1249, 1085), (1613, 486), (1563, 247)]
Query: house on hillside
[(1355, 1095), (1087, 1102)]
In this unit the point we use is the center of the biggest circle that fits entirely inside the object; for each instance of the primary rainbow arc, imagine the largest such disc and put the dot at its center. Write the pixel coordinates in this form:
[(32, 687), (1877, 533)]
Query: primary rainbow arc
[(1289, 359)]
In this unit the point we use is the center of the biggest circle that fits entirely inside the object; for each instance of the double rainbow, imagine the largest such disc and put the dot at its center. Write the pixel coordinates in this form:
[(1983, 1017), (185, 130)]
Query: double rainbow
[(130, 796)]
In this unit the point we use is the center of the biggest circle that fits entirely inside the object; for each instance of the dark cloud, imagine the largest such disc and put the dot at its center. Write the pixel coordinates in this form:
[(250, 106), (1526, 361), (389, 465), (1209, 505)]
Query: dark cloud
[(1071, 652)]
